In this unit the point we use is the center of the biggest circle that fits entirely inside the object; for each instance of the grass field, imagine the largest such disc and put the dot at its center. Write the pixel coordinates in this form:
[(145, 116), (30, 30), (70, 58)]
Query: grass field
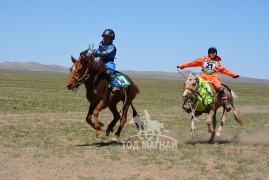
[(44, 135)]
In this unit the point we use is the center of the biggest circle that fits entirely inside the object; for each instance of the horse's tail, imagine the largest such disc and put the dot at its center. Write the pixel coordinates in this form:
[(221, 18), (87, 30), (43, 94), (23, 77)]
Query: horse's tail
[(237, 115), (138, 122), (234, 96), (135, 89)]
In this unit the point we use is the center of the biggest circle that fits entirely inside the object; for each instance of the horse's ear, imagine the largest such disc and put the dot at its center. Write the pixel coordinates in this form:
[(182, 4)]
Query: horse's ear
[(196, 76), (84, 52), (73, 59), (190, 75)]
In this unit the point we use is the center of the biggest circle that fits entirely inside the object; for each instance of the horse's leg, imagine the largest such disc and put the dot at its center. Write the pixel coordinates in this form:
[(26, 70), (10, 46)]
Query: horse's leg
[(122, 122), (193, 127), (209, 119), (224, 113), (89, 116), (116, 117), (212, 138), (97, 125)]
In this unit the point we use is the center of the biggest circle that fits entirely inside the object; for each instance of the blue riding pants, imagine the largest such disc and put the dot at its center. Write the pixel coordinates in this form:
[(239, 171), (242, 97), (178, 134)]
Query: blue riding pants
[(111, 66)]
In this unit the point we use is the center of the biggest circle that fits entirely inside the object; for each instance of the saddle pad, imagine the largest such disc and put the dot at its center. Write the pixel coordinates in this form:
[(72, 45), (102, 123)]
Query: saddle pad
[(123, 81), (203, 96)]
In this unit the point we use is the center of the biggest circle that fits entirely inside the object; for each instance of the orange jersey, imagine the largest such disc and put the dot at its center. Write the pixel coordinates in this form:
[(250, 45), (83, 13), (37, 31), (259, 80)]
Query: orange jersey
[(210, 67)]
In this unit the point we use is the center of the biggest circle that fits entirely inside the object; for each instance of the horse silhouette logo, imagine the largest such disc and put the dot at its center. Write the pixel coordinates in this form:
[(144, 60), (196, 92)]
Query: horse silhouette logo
[(149, 135), (150, 128)]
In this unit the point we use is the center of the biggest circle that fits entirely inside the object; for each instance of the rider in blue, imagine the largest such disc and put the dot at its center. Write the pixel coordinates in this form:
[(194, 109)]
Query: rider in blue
[(107, 53)]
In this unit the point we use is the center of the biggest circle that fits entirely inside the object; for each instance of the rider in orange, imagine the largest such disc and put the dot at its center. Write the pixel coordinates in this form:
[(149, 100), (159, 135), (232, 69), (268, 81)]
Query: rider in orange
[(210, 66)]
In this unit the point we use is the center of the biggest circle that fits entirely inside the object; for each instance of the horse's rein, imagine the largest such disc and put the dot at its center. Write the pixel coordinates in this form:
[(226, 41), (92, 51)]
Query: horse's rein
[(83, 78), (181, 73)]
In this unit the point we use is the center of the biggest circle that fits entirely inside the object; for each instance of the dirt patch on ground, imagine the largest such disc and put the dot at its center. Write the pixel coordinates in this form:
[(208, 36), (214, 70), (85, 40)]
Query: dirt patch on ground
[(67, 153), (254, 109), (258, 137)]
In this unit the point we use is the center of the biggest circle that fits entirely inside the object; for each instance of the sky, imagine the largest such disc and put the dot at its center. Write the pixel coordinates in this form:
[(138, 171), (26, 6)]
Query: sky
[(151, 35)]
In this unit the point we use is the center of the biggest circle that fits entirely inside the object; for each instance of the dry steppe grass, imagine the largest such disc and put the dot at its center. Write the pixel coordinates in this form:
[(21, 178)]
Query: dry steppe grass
[(44, 135)]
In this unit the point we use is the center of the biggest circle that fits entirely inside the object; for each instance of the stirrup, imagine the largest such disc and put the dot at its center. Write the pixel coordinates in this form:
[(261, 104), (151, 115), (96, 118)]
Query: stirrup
[(115, 89)]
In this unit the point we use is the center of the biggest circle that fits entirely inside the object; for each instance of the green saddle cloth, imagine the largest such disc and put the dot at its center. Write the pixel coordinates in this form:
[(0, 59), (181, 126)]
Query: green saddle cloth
[(122, 80), (204, 96)]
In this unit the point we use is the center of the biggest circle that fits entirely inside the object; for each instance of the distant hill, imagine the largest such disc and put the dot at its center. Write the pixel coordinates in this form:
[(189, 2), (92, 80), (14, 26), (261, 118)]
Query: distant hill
[(32, 66), (37, 67)]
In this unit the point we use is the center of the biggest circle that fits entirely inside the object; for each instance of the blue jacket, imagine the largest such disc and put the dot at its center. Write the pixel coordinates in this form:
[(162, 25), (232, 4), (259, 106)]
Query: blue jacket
[(106, 52)]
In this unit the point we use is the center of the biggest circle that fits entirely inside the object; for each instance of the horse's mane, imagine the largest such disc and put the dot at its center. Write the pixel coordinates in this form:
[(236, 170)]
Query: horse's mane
[(97, 67), (97, 70)]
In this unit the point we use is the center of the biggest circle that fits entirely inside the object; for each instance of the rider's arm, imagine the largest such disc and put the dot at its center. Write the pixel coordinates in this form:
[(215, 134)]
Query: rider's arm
[(195, 63), (89, 52), (109, 52), (224, 70)]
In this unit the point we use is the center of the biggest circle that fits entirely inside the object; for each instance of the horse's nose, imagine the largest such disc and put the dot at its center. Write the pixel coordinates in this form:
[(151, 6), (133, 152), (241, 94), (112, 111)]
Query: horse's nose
[(69, 86)]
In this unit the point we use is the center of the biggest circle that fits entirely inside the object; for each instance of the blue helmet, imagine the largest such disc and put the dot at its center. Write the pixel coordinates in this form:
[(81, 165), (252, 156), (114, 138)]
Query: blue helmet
[(212, 49), (110, 33)]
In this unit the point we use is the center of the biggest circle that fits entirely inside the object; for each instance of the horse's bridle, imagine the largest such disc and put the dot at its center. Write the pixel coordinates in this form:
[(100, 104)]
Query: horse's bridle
[(82, 79), (192, 90)]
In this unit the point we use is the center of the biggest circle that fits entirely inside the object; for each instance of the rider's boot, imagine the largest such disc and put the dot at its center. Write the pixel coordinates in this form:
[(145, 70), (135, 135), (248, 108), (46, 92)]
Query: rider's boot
[(224, 98), (113, 81)]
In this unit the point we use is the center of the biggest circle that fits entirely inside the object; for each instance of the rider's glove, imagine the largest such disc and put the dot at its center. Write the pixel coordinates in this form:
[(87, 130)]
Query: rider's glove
[(236, 76), (93, 51), (89, 53)]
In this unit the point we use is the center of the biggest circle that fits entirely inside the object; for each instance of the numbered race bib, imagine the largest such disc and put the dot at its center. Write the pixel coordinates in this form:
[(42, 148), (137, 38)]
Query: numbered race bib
[(209, 66), (123, 81)]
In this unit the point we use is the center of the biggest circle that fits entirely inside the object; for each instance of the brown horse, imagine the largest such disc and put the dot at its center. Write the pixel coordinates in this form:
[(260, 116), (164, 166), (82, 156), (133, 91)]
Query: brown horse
[(190, 90), (90, 72)]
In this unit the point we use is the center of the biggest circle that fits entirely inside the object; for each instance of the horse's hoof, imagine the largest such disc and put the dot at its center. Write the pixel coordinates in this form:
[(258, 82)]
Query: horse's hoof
[(115, 139), (210, 131), (211, 141), (193, 135), (99, 134), (108, 132)]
